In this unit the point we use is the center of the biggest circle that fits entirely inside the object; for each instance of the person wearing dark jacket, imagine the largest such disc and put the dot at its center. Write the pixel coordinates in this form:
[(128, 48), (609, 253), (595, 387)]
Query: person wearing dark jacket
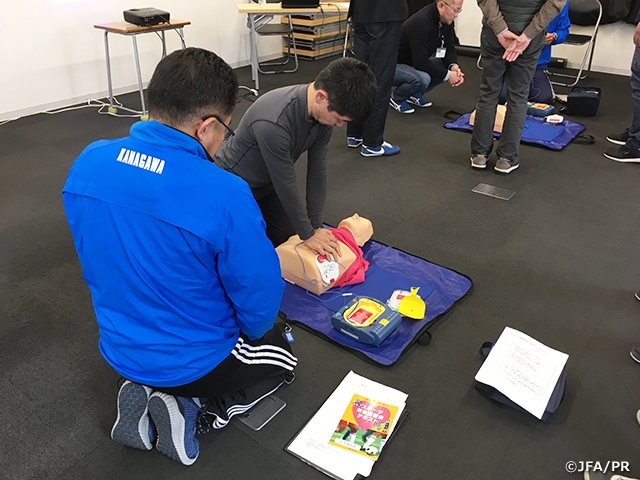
[(427, 55), (376, 33)]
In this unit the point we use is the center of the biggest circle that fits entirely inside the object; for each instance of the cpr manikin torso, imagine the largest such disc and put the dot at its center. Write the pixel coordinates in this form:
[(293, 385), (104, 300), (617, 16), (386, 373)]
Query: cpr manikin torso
[(305, 268)]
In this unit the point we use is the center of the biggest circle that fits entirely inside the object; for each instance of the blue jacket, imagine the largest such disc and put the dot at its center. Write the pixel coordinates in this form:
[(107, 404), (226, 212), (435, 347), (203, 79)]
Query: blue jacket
[(560, 26), (174, 252)]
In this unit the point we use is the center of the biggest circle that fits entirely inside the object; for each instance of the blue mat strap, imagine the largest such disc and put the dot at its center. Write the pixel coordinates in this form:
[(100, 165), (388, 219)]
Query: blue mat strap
[(390, 269), (536, 131)]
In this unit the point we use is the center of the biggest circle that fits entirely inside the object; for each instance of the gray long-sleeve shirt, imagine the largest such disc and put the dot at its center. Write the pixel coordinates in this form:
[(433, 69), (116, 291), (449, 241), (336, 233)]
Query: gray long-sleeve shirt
[(274, 132)]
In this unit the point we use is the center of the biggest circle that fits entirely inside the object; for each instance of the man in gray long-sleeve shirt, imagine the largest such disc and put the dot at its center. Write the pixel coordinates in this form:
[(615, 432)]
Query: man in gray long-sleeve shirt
[(278, 128), (513, 33)]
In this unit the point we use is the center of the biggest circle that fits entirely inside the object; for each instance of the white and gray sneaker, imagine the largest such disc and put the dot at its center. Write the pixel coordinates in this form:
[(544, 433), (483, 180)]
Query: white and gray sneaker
[(479, 162), (504, 166), (133, 427)]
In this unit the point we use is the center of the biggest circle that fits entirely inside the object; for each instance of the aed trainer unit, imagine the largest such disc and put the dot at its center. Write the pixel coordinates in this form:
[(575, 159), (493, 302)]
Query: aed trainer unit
[(366, 320)]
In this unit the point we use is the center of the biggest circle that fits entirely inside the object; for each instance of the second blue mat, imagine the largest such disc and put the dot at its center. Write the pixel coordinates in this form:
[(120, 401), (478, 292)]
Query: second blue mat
[(536, 131)]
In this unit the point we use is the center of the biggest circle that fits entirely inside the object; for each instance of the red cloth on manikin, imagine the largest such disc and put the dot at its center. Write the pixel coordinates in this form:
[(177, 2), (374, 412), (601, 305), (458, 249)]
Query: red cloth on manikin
[(355, 273)]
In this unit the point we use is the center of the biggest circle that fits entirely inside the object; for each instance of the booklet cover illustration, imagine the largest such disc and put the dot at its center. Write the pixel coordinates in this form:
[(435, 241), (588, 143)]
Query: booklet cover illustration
[(364, 426)]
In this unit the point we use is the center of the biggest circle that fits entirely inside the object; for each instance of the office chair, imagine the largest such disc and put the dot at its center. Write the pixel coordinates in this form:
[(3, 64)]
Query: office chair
[(581, 8)]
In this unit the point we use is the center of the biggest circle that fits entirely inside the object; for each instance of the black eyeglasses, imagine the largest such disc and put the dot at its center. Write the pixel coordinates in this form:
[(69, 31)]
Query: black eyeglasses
[(230, 131), (455, 10)]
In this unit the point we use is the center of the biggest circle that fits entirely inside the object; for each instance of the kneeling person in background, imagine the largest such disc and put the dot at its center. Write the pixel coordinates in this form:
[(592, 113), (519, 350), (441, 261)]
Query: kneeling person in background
[(427, 55)]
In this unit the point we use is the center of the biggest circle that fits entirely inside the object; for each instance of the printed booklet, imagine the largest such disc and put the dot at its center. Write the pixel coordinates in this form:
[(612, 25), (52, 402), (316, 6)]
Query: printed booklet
[(345, 436), (364, 426)]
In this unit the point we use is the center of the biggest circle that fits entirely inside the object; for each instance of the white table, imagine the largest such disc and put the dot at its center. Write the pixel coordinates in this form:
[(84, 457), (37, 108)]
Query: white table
[(129, 29), (254, 9)]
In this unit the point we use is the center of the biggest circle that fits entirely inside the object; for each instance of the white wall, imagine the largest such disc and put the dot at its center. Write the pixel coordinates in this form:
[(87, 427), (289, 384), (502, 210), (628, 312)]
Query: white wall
[(614, 45), (54, 57)]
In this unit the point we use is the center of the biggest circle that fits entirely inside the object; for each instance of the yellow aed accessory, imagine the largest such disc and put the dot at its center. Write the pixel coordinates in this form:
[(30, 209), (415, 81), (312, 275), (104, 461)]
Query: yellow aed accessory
[(364, 312), (412, 305)]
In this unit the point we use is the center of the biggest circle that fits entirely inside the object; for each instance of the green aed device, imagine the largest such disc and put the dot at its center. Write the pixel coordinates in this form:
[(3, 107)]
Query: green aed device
[(366, 320)]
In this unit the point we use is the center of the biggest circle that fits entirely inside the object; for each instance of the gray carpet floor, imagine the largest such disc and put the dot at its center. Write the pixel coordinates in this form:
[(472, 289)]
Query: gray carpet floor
[(559, 261)]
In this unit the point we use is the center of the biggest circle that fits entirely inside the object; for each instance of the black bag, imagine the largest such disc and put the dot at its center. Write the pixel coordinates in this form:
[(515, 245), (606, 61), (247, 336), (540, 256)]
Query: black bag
[(585, 13), (583, 101), (495, 396)]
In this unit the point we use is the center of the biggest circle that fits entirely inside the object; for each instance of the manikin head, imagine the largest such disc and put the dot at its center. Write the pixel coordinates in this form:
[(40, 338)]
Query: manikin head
[(361, 228)]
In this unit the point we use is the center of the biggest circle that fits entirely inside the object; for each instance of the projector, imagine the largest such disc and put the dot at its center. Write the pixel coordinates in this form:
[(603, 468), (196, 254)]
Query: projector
[(146, 16)]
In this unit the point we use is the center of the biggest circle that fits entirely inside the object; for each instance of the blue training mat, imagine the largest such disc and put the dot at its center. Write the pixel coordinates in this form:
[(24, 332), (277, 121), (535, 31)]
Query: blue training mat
[(391, 269), (536, 131)]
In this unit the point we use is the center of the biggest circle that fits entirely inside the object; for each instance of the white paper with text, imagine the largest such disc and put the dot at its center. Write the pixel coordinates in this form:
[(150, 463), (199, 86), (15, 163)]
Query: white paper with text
[(523, 369), (312, 442)]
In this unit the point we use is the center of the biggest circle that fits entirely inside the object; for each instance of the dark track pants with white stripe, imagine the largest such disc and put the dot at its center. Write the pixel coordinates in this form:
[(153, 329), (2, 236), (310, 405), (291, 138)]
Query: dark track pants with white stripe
[(253, 370)]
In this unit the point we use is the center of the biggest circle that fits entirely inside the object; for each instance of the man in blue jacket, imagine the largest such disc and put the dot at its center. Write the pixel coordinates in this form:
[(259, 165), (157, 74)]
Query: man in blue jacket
[(426, 56), (184, 282)]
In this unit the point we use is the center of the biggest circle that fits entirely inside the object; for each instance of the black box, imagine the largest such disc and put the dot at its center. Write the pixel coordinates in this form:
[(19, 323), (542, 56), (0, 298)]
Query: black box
[(583, 101), (146, 17), (558, 62)]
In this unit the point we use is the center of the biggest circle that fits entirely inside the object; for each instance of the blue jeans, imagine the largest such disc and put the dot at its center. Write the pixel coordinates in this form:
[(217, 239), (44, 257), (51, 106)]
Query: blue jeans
[(634, 130), (411, 82), (377, 45)]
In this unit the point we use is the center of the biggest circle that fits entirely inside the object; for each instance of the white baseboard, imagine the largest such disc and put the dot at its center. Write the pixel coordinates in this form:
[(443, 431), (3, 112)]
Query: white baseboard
[(102, 95), (47, 107)]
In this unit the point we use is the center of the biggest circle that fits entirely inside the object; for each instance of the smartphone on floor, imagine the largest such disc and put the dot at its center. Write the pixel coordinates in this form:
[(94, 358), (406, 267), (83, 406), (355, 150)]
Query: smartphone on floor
[(262, 412)]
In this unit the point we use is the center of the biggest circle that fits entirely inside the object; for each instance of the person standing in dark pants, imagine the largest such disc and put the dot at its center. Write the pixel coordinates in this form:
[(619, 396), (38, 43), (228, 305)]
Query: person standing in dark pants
[(513, 33), (376, 28), (629, 140), (541, 90)]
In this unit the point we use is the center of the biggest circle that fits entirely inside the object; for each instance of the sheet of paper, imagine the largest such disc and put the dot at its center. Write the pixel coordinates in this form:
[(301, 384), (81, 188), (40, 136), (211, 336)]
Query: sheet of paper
[(523, 369), (312, 443)]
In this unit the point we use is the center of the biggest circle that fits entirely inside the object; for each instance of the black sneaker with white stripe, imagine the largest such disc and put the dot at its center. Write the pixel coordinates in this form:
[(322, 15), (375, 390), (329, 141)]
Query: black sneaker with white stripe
[(635, 354), (619, 138), (623, 154)]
